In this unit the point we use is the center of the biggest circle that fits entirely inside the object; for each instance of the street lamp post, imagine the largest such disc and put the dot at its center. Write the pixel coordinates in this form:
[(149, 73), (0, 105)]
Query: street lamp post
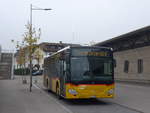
[(30, 44)]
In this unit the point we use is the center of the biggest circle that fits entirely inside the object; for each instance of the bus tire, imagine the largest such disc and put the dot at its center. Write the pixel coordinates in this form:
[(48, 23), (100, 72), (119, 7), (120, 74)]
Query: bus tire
[(58, 92), (47, 83)]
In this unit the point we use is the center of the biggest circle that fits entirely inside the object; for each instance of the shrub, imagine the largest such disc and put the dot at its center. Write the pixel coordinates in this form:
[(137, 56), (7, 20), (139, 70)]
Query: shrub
[(22, 71)]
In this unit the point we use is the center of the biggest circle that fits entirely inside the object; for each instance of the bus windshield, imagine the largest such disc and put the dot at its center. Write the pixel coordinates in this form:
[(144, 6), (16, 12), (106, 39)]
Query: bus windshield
[(83, 68)]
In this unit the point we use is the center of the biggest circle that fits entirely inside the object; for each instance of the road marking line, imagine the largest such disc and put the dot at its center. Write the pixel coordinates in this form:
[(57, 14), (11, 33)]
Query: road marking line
[(127, 107), (55, 100), (69, 111), (36, 86)]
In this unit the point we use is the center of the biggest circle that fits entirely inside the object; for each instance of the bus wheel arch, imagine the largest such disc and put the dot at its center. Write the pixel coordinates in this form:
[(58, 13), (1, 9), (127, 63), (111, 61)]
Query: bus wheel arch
[(58, 90), (47, 83)]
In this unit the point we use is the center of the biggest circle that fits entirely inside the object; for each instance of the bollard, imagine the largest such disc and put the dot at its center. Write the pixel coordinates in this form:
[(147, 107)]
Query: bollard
[(24, 80), (35, 81)]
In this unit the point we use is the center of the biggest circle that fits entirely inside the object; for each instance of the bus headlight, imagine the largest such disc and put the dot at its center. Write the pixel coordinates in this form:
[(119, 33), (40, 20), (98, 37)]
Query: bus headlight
[(72, 91), (111, 91)]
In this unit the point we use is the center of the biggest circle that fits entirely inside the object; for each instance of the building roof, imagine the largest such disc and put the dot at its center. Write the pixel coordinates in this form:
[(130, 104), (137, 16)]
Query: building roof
[(129, 40)]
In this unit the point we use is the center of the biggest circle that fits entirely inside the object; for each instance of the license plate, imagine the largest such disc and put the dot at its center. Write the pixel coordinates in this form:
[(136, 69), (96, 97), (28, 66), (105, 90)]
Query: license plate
[(93, 96)]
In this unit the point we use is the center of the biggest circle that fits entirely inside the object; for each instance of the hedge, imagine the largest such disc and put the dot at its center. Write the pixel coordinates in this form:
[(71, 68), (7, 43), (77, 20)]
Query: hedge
[(20, 71)]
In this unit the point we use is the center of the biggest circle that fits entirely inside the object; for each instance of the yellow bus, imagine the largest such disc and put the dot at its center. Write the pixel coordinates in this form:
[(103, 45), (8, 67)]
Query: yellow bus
[(80, 73)]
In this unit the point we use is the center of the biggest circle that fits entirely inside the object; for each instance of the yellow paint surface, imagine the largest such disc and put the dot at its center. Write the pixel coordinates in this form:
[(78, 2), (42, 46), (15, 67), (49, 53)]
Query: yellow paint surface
[(89, 91)]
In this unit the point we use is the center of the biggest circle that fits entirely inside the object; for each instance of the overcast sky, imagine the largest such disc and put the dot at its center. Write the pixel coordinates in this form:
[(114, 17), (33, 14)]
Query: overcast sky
[(72, 21)]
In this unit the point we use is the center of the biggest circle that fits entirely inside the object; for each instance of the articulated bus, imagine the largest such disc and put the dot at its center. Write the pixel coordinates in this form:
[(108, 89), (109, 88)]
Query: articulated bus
[(80, 73)]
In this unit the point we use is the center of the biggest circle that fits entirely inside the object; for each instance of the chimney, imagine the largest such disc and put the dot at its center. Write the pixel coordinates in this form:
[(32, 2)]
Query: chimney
[(60, 42)]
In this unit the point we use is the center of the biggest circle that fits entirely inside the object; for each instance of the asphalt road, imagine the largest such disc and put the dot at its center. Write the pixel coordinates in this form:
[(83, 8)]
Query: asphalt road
[(94, 106), (130, 98), (16, 98)]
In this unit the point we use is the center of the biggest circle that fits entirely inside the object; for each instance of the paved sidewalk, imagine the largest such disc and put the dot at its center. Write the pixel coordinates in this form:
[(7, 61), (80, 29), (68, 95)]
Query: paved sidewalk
[(16, 98)]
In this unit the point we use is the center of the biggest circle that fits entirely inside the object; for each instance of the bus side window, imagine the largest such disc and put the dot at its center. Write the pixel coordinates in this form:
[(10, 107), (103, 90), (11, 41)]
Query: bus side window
[(61, 67), (64, 66), (67, 58)]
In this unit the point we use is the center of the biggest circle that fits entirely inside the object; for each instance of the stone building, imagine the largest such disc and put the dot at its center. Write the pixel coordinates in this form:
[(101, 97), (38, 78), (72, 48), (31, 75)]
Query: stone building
[(132, 55)]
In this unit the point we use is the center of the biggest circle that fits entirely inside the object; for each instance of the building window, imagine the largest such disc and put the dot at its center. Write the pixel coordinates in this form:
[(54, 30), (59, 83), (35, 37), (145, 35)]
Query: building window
[(59, 48), (140, 65), (126, 66)]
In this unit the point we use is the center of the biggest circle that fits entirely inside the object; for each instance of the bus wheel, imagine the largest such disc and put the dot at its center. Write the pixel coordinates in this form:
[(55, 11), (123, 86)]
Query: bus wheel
[(58, 92), (47, 83)]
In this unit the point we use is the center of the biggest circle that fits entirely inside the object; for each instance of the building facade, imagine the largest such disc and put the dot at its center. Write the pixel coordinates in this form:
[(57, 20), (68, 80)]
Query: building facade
[(42, 50), (6, 64), (132, 55), (0, 52)]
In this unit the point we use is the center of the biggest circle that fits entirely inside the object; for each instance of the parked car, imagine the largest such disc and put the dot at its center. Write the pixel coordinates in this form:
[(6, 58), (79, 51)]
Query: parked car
[(38, 72)]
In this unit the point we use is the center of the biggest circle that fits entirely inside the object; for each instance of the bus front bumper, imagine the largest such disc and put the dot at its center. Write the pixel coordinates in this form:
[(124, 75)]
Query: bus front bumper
[(84, 91)]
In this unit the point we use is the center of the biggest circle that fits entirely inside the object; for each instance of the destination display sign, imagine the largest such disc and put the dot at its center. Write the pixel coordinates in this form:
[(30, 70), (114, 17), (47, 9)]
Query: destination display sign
[(91, 52)]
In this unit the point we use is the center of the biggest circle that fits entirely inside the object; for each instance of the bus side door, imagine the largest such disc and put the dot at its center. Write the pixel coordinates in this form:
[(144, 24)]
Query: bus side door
[(62, 77)]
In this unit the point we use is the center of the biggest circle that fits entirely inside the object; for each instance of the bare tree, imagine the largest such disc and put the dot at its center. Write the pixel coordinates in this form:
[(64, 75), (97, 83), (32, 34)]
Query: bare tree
[(38, 56), (31, 37)]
